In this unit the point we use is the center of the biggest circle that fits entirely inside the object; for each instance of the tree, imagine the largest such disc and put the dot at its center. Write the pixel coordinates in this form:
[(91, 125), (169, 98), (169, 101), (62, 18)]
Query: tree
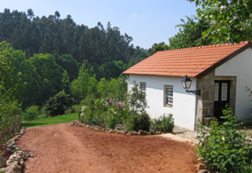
[(49, 76), (30, 13), (158, 47), (229, 20), (136, 100), (104, 48), (58, 104), (68, 63), (84, 84), (13, 71), (190, 34)]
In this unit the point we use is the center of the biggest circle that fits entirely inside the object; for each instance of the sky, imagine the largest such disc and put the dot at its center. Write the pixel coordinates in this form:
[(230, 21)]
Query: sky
[(146, 21)]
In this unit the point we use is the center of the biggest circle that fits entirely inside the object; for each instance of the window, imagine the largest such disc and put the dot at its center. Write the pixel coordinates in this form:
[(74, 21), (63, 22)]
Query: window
[(168, 95), (142, 87), (216, 91), (224, 91)]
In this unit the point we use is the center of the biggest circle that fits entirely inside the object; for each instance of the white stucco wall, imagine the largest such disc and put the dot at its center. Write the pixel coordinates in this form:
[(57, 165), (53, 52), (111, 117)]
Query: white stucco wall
[(241, 67), (184, 104)]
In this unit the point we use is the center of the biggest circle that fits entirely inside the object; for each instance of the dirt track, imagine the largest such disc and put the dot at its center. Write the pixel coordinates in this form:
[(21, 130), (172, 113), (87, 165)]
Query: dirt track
[(64, 148)]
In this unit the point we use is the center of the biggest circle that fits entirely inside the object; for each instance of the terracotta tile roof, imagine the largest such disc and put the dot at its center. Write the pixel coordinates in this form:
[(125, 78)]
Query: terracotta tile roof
[(193, 61)]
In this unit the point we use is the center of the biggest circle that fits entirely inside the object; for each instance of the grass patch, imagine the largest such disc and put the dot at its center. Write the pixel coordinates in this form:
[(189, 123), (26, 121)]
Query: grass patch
[(51, 120)]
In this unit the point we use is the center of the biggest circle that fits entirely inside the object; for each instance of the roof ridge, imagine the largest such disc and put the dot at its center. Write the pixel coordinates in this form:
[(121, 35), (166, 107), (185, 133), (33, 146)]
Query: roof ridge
[(207, 46)]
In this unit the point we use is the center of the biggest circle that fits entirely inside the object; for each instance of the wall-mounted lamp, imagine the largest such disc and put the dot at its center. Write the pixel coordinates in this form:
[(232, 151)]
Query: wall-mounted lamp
[(187, 83)]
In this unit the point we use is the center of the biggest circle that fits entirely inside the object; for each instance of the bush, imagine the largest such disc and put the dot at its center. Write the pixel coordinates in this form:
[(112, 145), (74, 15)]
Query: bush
[(31, 113), (110, 121), (136, 100), (223, 147), (136, 122), (57, 104), (9, 119), (163, 124), (91, 117)]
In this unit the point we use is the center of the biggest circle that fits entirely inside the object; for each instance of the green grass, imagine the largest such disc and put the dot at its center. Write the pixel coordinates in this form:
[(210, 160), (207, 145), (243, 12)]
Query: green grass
[(51, 120)]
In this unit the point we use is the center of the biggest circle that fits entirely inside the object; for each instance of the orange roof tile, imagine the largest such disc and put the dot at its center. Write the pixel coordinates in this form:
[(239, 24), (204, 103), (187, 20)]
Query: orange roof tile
[(193, 61)]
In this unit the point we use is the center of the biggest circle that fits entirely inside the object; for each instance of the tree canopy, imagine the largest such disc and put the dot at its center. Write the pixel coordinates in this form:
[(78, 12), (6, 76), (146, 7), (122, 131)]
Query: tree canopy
[(104, 48), (229, 20)]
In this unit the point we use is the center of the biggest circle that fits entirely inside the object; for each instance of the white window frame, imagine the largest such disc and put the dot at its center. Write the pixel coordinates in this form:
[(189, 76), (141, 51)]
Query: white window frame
[(168, 95), (142, 87)]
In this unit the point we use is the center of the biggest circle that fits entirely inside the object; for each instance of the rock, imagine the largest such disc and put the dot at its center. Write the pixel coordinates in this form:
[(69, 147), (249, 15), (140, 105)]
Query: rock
[(119, 127), (200, 166), (121, 132), (203, 171), (112, 131), (14, 168), (142, 132), (133, 133), (2, 162)]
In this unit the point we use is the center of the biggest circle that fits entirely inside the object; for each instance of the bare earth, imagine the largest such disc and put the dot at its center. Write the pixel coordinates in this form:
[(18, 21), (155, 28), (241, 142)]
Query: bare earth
[(68, 149)]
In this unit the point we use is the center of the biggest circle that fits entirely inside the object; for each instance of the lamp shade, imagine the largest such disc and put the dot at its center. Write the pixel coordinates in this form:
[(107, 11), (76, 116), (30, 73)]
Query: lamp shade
[(186, 82)]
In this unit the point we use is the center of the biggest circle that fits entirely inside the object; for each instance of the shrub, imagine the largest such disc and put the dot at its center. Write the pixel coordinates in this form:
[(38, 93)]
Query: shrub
[(114, 116), (9, 119), (110, 121), (136, 122), (92, 118), (163, 124), (136, 100), (31, 113), (57, 104), (223, 147)]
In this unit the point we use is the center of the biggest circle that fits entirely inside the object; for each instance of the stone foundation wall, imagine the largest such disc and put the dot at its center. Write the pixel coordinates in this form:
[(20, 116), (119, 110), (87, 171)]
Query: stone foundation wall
[(205, 102)]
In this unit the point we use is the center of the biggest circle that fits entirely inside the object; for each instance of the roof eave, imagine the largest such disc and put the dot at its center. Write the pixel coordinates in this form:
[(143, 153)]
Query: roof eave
[(227, 58)]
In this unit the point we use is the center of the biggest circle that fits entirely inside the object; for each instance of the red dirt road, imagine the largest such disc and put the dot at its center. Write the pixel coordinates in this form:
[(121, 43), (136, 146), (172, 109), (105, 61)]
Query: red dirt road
[(68, 149)]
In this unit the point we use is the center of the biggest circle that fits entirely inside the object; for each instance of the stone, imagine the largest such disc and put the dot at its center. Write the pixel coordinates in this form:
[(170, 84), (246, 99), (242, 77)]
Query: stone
[(201, 166), (133, 133), (203, 171), (14, 168), (119, 127), (142, 132), (121, 132), (112, 131)]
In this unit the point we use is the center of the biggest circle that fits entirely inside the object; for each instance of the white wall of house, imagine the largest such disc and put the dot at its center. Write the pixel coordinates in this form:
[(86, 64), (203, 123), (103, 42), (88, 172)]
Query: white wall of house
[(241, 67), (184, 104)]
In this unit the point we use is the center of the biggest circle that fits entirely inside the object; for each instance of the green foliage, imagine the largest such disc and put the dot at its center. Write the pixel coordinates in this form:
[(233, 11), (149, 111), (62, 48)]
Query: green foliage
[(163, 124), (229, 20), (49, 76), (223, 147), (105, 48), (58, 104), (136, 122), (9, 118), (246, 169), (94, 113), (85, 84), (68, 63), (158, 47), (108, 108), (14, 71), (136, 100), (31, 113), (113, 88), (190, 34)]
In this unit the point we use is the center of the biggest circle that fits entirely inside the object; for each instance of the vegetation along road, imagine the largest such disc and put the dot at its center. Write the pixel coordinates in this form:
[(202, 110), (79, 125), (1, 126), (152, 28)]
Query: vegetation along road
[(67, 148)]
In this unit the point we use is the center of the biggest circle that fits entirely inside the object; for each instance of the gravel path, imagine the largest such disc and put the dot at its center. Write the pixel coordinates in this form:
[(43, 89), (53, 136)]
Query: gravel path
[(68, 149)]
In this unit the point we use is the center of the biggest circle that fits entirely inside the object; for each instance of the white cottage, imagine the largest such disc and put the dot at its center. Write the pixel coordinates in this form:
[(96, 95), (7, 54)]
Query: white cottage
[(220, 76)]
